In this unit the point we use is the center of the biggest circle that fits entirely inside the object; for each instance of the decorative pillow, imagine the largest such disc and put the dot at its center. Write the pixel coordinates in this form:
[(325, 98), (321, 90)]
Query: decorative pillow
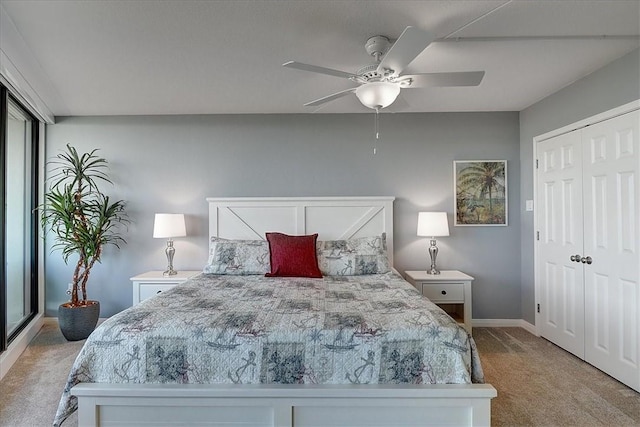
[(353, 257), (293, 256), (237, 257)]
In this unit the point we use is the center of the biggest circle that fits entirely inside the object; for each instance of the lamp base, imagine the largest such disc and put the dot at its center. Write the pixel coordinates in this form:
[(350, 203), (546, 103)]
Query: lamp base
[(170, 251), (433, 253)]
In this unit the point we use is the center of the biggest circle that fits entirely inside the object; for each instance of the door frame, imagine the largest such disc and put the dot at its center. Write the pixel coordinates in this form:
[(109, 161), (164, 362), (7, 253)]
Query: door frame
[(606, 115)]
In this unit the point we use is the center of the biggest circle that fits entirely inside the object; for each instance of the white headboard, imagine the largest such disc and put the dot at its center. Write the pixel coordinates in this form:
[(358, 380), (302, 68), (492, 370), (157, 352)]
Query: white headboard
[(333, 218)]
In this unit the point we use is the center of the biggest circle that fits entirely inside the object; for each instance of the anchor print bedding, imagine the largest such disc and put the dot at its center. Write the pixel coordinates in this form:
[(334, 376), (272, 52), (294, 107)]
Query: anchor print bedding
[(364, 329)]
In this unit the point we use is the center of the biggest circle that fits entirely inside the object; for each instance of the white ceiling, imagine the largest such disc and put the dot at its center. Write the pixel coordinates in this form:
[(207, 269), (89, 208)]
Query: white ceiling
[(213, 57)]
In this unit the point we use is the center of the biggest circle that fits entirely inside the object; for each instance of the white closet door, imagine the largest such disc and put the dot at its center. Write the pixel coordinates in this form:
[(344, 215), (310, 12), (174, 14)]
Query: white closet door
[(611, 206), (559, 187)]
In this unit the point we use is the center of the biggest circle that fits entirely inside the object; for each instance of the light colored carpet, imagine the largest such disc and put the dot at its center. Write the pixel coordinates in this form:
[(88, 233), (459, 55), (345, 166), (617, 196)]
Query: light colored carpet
[(538, 383), (30, 392)]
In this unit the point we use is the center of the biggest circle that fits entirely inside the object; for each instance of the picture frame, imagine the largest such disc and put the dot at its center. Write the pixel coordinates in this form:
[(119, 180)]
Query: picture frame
[(480, 193)]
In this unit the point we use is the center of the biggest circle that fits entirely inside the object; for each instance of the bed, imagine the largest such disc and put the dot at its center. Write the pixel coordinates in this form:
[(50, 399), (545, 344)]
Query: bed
[(347, 349)]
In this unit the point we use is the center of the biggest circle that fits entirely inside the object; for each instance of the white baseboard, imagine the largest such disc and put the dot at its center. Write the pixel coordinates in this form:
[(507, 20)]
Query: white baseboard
[(505, 323), (9, 357)]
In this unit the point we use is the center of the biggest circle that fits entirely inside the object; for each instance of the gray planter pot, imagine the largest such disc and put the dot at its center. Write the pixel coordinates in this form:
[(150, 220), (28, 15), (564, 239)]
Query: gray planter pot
[(77, 323)]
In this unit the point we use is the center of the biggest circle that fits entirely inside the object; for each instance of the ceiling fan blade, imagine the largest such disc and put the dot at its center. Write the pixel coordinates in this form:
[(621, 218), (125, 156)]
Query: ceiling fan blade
[(464, 78), (411, 42), (317, 69), (330, 97)]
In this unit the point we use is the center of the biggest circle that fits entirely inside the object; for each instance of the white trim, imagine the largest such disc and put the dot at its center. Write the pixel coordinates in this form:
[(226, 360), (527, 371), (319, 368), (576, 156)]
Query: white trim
[(14, 55), (529, 327), (19, 344), (16, 85), (505, 323), (609, 114)]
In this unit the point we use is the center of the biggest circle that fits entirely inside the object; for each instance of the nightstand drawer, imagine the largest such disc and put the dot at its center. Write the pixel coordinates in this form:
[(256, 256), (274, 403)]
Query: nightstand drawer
[(443, 292), (151, 283), (450, 290), (147, 290)]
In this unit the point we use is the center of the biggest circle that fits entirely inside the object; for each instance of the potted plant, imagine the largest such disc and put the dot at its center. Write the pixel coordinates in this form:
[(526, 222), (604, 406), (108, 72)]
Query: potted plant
[(83, 220)]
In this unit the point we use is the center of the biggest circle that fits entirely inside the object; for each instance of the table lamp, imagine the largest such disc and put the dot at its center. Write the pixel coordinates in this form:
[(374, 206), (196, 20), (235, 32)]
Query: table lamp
[(433, 224), (169, 226)]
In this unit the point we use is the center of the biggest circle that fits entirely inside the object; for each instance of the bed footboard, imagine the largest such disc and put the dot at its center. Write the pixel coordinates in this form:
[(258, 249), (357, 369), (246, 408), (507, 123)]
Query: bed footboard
[(284, 406)]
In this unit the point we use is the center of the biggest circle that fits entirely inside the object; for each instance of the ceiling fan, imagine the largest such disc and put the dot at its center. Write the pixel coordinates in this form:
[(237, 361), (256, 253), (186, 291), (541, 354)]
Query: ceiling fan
[(381, 82)]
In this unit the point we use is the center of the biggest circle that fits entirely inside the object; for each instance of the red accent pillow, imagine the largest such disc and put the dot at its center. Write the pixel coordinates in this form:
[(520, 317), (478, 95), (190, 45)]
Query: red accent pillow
[(293, 256)]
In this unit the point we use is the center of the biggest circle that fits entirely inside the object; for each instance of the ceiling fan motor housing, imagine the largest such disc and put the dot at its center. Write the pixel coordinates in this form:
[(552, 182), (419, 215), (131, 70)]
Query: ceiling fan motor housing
[(377, 46)]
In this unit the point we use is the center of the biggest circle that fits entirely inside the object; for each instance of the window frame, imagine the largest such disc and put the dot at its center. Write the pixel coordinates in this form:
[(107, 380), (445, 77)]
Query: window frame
[(5, 338)]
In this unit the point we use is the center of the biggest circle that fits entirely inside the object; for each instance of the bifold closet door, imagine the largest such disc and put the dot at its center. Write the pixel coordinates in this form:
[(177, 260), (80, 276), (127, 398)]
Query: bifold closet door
[(588, 259), (560, 226), (611, 238)]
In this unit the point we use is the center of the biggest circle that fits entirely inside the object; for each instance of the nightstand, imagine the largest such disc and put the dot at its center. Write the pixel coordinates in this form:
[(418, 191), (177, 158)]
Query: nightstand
[(450, 290), (151, 283)]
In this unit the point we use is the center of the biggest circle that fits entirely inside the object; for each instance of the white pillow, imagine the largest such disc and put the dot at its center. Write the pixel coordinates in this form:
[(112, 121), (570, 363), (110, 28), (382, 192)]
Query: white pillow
[(237, 257), (353, 257)]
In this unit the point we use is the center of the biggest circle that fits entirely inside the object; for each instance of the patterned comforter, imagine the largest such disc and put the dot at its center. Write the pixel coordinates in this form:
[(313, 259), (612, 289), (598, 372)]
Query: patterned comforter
[(253, 329)]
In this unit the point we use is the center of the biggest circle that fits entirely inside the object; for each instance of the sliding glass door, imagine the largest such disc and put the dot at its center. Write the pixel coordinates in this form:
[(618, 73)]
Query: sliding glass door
[(18, 293)]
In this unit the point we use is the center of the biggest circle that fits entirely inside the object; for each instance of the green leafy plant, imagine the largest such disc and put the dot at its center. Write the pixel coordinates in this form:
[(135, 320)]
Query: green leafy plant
[(81, 217)]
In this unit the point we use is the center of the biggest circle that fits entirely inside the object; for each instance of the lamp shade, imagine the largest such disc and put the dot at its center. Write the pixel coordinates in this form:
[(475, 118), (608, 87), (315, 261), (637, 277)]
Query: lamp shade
[(377, 94), (169, 225), (433, 224)]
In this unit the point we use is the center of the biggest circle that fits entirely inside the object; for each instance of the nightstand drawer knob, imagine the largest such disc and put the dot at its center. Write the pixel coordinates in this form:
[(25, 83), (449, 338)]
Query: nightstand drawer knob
[(444, 292)]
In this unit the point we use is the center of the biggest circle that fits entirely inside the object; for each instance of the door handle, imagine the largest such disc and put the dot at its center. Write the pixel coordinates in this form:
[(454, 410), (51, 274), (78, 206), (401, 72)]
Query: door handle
[(586, 260), (576, 258)]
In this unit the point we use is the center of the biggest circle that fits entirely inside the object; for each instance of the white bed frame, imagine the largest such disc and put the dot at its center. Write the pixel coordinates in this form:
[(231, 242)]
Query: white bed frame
[(290, 405)]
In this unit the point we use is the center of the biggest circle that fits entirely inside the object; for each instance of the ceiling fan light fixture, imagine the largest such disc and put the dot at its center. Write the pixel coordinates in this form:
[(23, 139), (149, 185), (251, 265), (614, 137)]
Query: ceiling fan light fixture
[(376, 95)]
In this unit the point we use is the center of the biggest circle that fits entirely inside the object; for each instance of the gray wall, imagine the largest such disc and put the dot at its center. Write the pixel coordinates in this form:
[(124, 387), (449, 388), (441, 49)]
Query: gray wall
[(616, 84), (171, 163)]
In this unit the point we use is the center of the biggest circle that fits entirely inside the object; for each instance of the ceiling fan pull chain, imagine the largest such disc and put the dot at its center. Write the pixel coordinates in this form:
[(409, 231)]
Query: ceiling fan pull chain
[(377, 129)]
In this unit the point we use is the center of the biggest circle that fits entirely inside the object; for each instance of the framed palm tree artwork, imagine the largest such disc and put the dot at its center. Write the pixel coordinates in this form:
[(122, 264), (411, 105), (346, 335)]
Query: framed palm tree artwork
[(480, 192)]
